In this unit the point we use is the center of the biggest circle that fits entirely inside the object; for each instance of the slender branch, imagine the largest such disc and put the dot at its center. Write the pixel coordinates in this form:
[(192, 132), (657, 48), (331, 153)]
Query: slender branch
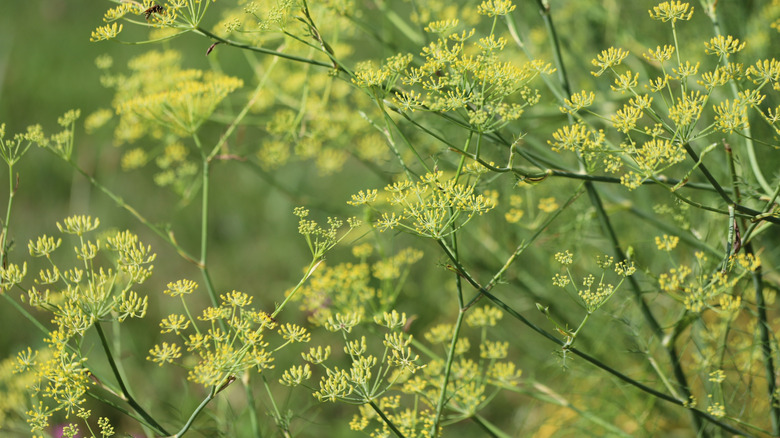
[(650, 319), (488, 427), (608, 369), (386, 420), (204, 228), (715, 184), (7, 221), (749, 147), (167, 237), (151, 422), (766, 347), (758, 286), (264, 51), (447, 371), (196, 412), (283, 428)]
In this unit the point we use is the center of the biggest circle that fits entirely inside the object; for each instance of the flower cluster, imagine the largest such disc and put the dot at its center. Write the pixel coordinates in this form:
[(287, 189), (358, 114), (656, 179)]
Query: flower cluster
[(319, 239), (352, 287), (470, 81), (159, 94), (654, 138), (370, 379), (182, 15), (364, 381), (78, 298), (232, 341), (593, 292), (700, 288), (432, 207), (161, 100)]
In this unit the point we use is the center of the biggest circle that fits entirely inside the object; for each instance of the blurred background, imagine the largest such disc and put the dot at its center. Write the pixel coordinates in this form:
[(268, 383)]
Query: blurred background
[(47, 66)]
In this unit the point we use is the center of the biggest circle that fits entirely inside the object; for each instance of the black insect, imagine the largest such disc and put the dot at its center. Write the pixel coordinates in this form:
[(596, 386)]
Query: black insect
[(211, 47), (156, 9)]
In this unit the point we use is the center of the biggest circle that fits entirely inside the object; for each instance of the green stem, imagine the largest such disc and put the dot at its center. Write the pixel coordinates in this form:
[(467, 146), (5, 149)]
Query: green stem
[(606, 224), (283, 428), (520, 248), (447, 371), (196, 412), (26, 314), (715, 184), (650, 319), (768, 209), (386, 420), (758, 287), (312, 266), (204, 224), (129, 398), (227, 42), (488, 427), (4, 234), (121, 203), (544, 11), (608, 369), (204, 228), (766, 347), (250, 401), (242, 114), (747, 135)]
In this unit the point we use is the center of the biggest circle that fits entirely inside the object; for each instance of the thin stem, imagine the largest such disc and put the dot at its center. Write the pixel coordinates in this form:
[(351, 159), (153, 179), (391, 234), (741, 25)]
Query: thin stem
[(228, 42), (6, 222), (282, 427), (715, 184), (544, 9), (196, 412), (488, 427), (312, 267), (386, 420), (747, 135), (766, 347), (204, 209), (610, 370), (520, 248), (26, 314), (252, 407), (122, 204), (244, 111), (451, 353), (129, 398), (588, 358), (768, 210), (204, 228), (758, 286), (650, 319)]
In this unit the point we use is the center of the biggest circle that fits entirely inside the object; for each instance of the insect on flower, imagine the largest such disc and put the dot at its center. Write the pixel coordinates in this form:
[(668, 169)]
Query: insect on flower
[(155, 9)]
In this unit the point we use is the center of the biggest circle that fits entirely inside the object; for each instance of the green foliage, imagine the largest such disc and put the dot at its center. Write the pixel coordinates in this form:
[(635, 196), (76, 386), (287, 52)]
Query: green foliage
[(527, 185)]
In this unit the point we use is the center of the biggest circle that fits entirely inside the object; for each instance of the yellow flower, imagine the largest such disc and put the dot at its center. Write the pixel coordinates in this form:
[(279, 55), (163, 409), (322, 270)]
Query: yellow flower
[(165, 353), (107, 32), (492, 8), (674, 10), (548, 205), (723, 46), (666, 243), (607, 59)]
